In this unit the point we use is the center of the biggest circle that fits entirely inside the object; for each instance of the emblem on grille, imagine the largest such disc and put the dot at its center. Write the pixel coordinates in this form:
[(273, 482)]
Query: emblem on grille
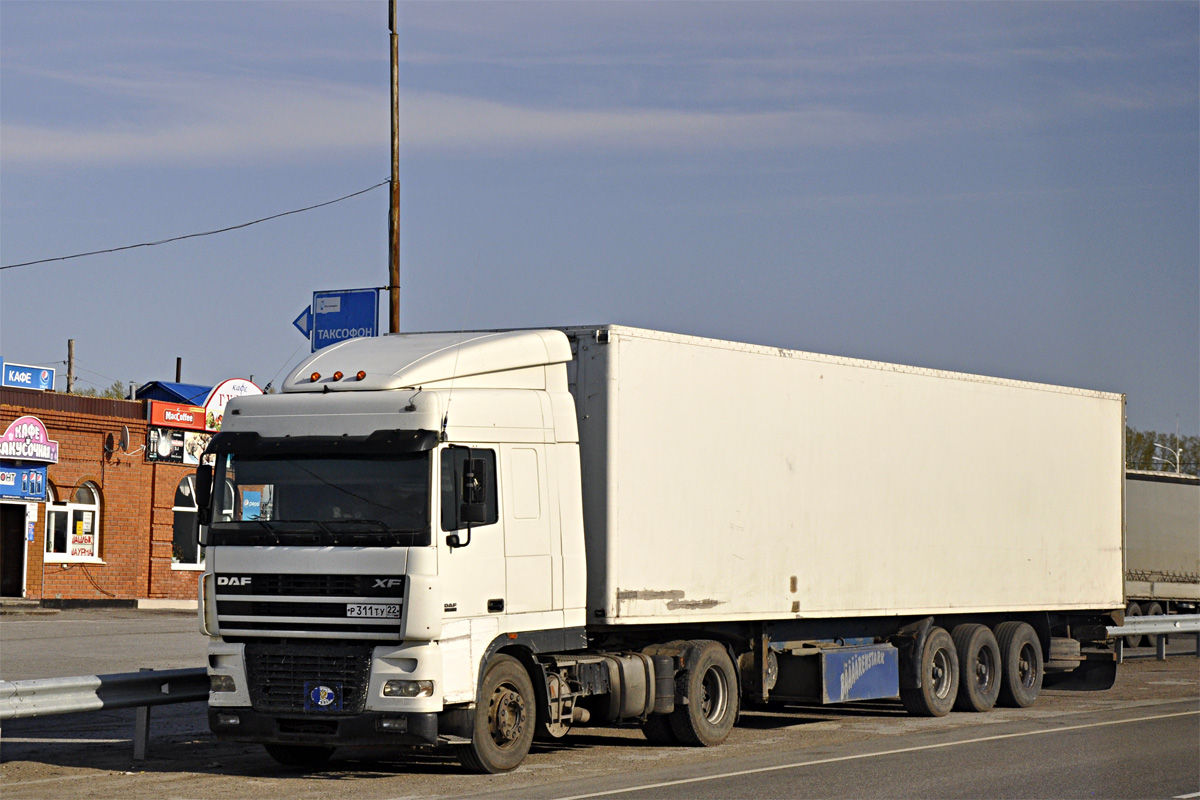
[(322, 696)]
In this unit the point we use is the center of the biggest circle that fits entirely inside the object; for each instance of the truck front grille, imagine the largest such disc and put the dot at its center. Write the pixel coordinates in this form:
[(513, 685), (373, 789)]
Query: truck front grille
[(311, 606), (278, 672)]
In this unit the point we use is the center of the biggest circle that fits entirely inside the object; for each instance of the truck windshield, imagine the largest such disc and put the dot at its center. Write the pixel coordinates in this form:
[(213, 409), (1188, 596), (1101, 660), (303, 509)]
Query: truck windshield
[(367, 501)]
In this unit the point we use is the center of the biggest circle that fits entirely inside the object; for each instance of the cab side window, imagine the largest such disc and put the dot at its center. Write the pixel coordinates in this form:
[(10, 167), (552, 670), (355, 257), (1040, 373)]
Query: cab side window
[(468, 488)]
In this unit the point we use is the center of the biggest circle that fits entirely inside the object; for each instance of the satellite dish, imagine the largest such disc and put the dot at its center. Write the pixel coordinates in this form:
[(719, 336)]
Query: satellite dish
[(124, 438)]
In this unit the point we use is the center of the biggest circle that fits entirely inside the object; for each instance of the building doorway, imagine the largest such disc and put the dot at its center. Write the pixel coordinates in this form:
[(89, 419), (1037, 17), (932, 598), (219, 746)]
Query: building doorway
[(12, 549)]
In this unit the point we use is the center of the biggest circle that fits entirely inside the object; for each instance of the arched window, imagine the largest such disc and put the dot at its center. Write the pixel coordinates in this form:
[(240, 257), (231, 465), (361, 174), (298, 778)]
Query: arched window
[(73, 528), (186, 551)]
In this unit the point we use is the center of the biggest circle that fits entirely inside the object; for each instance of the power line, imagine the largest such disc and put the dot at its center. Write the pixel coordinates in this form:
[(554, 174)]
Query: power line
[(194, 235)]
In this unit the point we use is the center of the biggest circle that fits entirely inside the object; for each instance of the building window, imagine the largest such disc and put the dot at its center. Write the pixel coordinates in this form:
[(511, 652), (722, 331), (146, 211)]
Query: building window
[(73, 529), (186, 551)]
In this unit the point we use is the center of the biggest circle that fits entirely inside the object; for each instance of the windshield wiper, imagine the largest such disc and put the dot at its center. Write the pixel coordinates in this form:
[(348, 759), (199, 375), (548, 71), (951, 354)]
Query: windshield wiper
[(266, 525)]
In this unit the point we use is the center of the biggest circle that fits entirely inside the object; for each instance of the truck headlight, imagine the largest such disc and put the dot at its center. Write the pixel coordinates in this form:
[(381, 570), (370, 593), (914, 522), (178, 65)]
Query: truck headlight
[(408, 689)]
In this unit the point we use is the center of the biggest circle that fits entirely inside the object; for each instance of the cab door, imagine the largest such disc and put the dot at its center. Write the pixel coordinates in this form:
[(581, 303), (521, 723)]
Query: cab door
[(470, 553), (470, 563)]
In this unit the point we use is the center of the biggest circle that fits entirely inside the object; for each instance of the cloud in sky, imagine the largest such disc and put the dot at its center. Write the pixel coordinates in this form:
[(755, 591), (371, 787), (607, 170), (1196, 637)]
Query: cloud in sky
[(191, 121)]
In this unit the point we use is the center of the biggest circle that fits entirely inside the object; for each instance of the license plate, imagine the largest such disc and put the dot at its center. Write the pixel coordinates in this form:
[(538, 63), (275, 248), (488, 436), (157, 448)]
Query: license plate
[(373, 610)]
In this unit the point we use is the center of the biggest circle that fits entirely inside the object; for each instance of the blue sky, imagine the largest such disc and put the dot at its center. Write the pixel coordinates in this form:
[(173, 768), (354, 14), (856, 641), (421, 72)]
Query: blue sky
[(1009, 189)]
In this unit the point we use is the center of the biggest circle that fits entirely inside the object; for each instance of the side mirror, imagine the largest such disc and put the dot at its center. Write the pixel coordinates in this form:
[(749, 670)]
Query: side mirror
[(204, 481)]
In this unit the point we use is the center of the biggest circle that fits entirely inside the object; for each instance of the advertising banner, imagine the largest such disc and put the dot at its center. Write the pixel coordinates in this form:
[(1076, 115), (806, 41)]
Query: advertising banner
[(22, 482), (171, 446), (174, 415), (219, 397)]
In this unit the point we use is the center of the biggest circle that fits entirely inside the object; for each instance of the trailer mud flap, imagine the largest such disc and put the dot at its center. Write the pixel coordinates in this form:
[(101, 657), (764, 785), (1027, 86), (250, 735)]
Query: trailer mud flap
[(910, 641), (1095, 675), (859, 673)]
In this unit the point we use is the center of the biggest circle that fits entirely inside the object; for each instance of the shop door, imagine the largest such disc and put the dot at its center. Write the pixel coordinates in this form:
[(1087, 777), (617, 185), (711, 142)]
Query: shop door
[(12, 550)]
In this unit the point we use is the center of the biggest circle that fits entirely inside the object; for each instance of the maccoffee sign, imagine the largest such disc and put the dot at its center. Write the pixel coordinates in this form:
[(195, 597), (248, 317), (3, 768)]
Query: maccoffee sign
[(219, 397), (173, 415), (26, 440)]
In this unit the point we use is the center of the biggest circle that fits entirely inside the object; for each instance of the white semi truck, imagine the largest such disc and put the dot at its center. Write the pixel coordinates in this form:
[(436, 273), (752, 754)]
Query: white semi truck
[(467, 539), (1162, 543)]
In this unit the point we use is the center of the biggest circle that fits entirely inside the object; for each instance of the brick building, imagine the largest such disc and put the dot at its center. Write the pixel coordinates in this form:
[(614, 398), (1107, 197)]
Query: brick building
[(99, 517)]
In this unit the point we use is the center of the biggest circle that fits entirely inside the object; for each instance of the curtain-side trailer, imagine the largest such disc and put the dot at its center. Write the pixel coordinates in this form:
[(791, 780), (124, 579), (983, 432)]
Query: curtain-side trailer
[(467, 539)]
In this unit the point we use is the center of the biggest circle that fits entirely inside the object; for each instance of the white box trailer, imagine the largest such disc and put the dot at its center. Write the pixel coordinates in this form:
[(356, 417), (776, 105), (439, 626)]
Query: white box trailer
[(461, 538), (726, 481), (1162, 543)]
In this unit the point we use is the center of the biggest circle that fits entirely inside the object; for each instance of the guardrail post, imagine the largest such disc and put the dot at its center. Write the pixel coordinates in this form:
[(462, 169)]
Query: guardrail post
[(141, 730), (1160, 647), (1120, 649)]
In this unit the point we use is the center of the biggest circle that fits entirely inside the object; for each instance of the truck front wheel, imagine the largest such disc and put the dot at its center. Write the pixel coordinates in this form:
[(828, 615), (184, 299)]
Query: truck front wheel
[(710, 689), (505, 719), (939, 677)]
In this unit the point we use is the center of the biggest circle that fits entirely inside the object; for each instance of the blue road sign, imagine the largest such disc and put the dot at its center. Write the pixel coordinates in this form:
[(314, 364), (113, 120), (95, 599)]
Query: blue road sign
[(341, 315)]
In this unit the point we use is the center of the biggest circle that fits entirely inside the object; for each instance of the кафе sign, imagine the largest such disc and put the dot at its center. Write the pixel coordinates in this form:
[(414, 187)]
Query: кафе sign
[(25, 450)]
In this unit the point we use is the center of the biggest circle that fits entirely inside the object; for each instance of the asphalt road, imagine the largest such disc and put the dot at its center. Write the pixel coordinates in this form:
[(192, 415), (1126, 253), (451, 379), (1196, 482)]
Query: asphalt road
[(1139, 739)]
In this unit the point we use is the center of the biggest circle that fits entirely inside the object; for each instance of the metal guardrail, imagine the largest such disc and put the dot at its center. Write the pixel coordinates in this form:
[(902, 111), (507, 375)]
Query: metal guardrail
[(1158, 627), (140, 690)]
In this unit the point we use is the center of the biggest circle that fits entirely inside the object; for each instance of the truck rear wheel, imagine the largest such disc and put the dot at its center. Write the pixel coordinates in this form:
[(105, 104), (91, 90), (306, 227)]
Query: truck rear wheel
[(1133, 610), (939, 678), (979, 667), (1021, 659), (1151, 609), (505, 719), (299, 755), (710, 690)]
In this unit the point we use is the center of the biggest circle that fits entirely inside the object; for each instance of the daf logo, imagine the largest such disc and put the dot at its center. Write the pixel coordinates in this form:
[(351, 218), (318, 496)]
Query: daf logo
[(225, 580), (387, 583)]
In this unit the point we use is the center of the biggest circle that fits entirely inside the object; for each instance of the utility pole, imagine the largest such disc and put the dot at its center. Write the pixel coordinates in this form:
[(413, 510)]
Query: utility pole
[(394, 215), (70, 365)]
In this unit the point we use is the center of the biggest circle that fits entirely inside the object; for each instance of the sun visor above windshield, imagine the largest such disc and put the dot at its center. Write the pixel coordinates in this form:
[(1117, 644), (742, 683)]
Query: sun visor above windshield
[(407, 360)]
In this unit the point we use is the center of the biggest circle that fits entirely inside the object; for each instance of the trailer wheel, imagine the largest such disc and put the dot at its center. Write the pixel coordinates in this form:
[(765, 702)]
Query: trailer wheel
[(299, 755), (1021, 656), (1151, 610), (505, 719), (979, 667), (710, 689), (657, 730), (939, 678), (1133, 610)]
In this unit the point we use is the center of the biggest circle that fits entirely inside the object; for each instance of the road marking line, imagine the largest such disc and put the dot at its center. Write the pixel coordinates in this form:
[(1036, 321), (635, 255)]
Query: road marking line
[(1191, 796), (899, 751)]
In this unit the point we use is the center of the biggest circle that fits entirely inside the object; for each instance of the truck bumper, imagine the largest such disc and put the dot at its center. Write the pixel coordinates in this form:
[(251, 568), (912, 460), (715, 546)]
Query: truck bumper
[(368, 728)]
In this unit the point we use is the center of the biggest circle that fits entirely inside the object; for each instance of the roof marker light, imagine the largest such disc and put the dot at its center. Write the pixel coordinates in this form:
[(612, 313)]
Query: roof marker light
[(362, 374), (316, 376), (337, 376)]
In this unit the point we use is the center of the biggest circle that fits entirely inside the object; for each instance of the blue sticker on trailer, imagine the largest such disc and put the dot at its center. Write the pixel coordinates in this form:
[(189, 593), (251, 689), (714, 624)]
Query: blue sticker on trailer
[(860, 673)]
